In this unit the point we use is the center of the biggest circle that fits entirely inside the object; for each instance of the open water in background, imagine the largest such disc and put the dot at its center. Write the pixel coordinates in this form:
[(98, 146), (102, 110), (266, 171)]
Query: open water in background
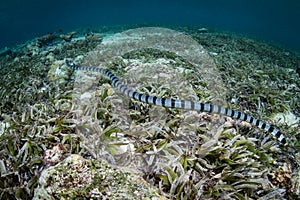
[(271, 20)]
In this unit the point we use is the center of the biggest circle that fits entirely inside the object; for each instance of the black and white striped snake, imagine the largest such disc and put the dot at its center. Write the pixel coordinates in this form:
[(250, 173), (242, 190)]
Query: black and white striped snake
[(182, 104)]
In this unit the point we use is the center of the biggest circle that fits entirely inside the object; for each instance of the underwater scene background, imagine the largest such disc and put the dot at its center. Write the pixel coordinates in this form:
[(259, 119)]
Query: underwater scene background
[(272, 20), (153, 100)]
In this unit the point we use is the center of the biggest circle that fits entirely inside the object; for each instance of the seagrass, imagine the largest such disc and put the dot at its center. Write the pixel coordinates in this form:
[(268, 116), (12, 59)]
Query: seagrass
[(182, 104)]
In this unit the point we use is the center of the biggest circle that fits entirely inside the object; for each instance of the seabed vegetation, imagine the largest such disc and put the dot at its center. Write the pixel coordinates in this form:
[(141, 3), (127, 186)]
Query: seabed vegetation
[(70, 135)]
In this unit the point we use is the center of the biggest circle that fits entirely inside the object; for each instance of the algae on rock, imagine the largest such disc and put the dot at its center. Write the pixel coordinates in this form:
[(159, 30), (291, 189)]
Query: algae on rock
[(76, 177)]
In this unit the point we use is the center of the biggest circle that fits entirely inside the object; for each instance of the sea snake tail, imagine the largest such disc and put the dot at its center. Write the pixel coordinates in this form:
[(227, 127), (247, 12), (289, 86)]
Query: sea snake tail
[(182, 104)]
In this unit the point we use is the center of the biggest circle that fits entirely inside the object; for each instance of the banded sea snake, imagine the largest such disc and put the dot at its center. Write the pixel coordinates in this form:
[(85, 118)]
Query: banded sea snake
[(182, 104)]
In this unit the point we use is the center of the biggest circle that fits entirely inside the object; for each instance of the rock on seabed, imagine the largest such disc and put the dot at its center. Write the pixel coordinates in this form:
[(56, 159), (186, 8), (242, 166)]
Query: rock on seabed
[(288, 118), (78, 178)]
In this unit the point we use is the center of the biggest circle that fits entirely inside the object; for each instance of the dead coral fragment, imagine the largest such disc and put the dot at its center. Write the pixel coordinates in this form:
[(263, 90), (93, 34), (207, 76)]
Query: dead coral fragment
[(54, 155), (59, 72), (68, 37), (45, 40), (282, 177), (93, 37)]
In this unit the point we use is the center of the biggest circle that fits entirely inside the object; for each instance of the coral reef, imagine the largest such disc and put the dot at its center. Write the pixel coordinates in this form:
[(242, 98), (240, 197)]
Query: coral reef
[(65, 134)]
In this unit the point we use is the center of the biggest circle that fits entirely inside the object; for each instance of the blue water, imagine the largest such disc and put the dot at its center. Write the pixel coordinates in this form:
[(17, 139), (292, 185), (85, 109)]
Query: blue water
[(271, 20)]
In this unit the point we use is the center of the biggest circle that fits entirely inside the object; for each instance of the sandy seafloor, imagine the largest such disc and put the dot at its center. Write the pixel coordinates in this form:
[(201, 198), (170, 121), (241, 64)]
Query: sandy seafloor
[(70, 135)]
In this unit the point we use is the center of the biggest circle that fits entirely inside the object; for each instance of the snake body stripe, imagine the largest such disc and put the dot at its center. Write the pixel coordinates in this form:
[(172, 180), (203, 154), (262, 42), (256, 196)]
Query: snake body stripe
[(182, 104)]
